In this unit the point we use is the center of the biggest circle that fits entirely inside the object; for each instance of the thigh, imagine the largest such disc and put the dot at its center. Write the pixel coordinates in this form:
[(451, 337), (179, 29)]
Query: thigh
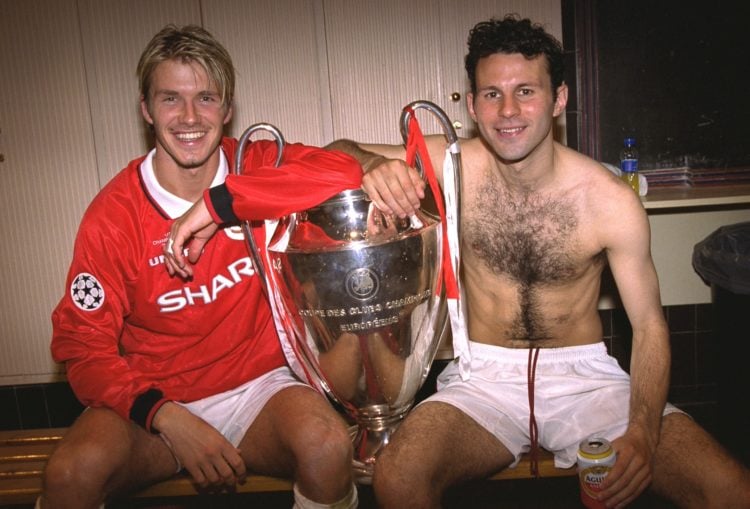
[(690, 466), (293, 420), (114, 453), (440, 444)]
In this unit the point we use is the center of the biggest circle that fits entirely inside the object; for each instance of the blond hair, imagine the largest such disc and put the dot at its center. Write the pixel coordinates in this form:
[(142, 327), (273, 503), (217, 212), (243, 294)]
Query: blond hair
[(190, 43)]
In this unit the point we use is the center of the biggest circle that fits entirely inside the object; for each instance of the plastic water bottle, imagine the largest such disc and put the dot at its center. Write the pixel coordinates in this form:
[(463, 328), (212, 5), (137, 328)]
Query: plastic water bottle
[(629, 163)]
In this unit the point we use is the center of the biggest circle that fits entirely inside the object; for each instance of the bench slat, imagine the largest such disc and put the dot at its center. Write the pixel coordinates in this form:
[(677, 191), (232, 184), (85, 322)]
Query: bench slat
[(20, 491), (182, 486), (17, 469), (23, 454), (31, 436), (523, 469)]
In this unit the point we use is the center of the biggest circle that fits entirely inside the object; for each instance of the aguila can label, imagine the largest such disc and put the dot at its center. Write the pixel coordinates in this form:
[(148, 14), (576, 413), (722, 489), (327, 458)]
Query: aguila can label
[(595, 460)]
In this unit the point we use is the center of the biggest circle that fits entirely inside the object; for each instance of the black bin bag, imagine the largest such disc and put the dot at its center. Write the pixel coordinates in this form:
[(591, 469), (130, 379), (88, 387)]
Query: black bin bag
[(722, 260)]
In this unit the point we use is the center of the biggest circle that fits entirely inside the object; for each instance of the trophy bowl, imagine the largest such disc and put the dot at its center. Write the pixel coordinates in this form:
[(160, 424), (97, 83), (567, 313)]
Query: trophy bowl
[(359, 296)]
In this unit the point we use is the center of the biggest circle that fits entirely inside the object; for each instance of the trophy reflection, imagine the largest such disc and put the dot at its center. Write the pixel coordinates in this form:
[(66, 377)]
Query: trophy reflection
[(359, 297)]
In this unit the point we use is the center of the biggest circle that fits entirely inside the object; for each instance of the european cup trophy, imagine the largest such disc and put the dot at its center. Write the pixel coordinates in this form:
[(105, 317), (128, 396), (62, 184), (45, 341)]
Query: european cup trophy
[(359, 297)]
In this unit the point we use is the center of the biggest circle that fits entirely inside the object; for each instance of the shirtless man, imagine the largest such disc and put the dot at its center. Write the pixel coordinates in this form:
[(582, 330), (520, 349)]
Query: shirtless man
[(539, 224)]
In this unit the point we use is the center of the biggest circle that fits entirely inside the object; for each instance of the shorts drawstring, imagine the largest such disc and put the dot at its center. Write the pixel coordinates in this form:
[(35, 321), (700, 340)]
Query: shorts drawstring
[(533, 430)]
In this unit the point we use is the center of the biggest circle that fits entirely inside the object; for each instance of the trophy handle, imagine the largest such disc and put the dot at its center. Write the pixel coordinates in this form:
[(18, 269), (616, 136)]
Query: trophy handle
[(237, 170), (451, 198), (451, 137)]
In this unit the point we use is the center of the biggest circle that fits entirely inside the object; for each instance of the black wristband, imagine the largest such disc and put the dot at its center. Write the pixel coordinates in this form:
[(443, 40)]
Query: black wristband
[(221, 200), (142, 406)]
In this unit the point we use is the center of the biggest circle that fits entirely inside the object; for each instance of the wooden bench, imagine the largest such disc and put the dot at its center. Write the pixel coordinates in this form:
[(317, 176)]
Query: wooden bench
[(23, 454)]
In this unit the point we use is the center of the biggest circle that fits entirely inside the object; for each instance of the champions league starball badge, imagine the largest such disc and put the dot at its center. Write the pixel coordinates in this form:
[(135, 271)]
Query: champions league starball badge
[(86, 291)]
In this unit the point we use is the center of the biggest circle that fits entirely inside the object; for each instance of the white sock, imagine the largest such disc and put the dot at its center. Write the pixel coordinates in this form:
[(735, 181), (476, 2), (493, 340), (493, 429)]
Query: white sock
[(350, 501)]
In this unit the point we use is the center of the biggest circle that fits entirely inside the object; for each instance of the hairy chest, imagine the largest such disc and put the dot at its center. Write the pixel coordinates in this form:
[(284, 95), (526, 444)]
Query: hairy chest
[(530, 238)]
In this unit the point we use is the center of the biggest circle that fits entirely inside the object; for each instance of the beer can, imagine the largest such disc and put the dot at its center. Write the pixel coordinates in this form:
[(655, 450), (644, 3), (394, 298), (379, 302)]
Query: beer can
[(595, 460)]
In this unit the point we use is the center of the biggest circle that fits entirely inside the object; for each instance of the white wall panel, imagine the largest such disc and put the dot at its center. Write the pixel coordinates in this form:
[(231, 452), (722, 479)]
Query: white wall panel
[(382, 56), (457, 19), (114, 34), (281, 66), (386, 54), (47, 177)]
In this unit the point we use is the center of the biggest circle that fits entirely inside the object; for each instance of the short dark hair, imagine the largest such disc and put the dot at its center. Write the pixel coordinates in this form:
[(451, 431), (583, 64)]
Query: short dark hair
[(514, 35)]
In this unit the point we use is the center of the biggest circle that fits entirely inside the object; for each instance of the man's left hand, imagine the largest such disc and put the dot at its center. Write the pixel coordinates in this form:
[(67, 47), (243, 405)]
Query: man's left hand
[(632, 471)]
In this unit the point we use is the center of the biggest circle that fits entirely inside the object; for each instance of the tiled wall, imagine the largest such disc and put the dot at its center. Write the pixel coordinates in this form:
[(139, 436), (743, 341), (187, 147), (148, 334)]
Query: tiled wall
[(37, 406), (693, 386)]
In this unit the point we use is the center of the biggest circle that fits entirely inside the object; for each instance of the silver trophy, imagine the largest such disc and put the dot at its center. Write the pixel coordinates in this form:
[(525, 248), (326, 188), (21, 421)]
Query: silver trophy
[(358, 296)]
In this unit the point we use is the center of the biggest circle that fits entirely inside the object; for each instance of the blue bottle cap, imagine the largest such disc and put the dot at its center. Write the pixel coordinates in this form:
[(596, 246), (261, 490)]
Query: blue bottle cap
[(629, 142)]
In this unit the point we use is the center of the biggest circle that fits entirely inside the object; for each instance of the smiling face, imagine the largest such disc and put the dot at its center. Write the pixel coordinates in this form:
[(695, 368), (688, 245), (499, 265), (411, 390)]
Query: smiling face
[(185, 108), (514, 105)]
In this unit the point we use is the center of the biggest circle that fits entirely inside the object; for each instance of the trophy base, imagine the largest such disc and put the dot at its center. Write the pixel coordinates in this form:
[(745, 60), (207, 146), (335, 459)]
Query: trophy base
[(362, 472), (368, 443)]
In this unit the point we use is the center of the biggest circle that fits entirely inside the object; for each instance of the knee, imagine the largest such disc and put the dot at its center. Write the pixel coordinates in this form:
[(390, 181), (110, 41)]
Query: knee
[(391, 490), (389, 485), (75, 470), (395, 480), (388, 476), (323, 462), (325, 446)]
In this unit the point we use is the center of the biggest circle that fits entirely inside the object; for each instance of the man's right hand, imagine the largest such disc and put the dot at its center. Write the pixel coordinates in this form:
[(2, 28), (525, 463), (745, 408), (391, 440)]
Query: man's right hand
[(394, 187), (195, 225), (204, 452)]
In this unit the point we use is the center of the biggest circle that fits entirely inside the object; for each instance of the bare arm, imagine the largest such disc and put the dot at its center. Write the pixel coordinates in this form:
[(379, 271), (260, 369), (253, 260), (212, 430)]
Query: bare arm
[(368, 155), (394, 187), (309, 175), (204, 452), (629, 255)]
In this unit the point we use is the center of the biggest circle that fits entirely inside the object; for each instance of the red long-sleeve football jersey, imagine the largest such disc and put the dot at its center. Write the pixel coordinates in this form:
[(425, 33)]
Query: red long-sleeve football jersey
[(130, 335)]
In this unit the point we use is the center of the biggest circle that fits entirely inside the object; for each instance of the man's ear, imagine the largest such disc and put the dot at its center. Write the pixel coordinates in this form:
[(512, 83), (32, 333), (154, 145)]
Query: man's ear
[(144, 111), (470, 106), (228, 116), (561, 101)]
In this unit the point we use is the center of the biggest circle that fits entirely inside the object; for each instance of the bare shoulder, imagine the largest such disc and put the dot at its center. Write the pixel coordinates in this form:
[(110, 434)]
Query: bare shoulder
[(606, 202), (584, 166), (476, 159), (602, 190), (437, 144), (473, 149)]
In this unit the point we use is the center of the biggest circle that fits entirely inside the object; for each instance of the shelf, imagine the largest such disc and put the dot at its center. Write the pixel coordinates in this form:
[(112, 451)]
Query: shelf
[(696, 196)]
